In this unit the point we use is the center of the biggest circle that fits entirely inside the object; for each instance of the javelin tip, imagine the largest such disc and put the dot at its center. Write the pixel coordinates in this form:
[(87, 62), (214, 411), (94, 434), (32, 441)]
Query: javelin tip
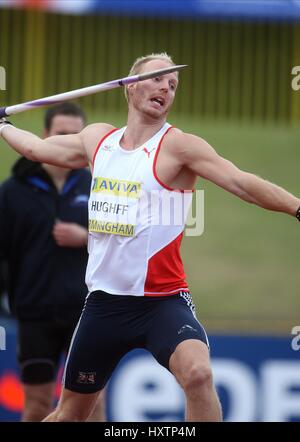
[(159, 72)]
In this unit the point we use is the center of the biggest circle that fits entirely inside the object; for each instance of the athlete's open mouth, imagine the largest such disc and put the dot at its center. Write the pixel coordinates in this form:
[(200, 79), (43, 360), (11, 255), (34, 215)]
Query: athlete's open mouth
[(158, 100)]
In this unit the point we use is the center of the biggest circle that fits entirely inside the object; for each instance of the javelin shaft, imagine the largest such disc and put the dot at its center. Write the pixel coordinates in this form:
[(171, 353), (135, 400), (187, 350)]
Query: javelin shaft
[(58, 98)]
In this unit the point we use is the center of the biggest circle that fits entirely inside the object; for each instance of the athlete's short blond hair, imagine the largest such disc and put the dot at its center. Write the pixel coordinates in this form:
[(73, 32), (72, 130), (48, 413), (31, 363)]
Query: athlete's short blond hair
[(140, 61)]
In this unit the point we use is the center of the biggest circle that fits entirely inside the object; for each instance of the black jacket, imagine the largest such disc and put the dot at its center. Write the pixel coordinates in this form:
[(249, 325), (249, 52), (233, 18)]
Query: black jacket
[(44, 280)]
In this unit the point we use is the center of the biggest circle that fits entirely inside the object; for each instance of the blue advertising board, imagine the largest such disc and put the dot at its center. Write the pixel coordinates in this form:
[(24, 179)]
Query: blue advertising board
[(257, 378)]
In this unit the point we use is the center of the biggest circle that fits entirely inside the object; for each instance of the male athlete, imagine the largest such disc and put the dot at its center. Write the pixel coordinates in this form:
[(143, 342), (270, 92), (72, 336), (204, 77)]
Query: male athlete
[(138, 296)]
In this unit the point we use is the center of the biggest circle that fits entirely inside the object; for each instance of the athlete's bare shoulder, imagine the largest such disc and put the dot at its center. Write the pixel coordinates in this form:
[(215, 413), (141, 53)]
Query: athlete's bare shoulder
[(92, 134), (171, 140), (180, 143), (176, 141)]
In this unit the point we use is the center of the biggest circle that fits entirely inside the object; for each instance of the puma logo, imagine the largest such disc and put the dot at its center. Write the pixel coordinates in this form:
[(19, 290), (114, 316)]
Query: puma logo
[(147, 151)]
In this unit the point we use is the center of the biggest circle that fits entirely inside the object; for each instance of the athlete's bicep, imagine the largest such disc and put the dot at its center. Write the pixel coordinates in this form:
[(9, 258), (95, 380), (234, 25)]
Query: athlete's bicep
[(63, 150)]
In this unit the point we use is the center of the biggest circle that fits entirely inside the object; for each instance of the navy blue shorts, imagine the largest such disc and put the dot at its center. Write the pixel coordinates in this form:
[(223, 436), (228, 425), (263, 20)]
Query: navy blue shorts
[(113, 325)]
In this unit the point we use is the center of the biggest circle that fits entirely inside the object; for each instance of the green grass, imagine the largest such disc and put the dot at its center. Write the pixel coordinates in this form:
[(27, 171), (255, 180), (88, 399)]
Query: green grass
[(244, 270)]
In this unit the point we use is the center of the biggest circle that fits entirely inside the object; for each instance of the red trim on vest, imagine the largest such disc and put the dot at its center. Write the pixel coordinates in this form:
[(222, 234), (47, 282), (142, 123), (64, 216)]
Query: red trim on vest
[(155, 159), (165, 275), (154, 168), (100, 142)]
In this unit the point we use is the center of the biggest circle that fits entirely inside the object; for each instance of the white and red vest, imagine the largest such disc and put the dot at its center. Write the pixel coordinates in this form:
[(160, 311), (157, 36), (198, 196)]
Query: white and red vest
[(136, 222)]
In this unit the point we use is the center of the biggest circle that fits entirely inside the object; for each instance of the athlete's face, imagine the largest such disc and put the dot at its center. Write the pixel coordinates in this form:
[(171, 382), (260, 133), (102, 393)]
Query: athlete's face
[(154, 97)]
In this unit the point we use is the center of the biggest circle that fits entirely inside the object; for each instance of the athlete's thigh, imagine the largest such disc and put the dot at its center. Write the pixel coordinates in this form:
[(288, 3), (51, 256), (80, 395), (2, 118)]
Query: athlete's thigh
[(189, 356), (174, 322), (96, 347)]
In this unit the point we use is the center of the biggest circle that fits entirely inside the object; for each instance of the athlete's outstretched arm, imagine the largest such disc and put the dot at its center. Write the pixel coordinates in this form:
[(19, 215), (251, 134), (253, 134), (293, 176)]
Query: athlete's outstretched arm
[(202, 159), (60, 150)]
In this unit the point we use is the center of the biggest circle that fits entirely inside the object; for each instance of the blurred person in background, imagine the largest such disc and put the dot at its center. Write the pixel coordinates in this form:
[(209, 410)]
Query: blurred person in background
[(138, 295), (43, 238)]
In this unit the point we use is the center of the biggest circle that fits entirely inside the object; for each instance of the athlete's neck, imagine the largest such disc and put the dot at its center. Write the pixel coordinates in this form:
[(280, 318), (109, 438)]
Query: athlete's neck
[(140, 128)]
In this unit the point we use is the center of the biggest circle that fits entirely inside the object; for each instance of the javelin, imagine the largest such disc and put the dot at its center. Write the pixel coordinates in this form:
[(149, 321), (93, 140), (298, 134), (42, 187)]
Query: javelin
[(54, 99)]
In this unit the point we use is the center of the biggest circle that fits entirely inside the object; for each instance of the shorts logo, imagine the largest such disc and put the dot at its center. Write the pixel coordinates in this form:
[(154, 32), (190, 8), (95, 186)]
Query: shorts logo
[(86, 378), (185, 328)]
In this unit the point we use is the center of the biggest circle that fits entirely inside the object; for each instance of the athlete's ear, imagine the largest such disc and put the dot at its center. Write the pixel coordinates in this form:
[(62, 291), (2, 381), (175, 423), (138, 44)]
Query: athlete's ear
[(130, 88)]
